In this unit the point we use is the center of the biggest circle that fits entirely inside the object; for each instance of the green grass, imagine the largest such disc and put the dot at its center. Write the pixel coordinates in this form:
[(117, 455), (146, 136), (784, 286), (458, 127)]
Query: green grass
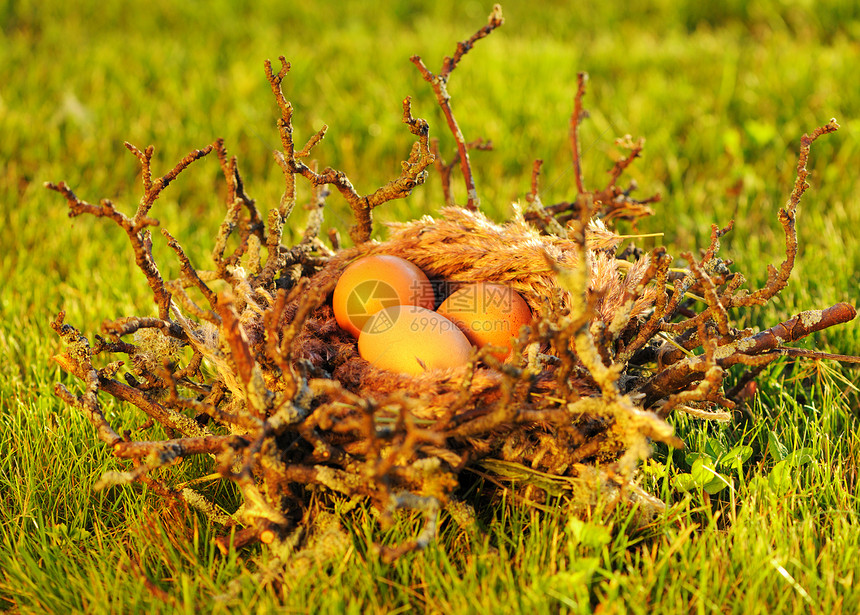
[(722, 96)]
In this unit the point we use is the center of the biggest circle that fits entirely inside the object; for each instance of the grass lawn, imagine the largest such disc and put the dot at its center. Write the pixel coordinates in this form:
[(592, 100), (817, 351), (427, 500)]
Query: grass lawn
[(722, 94)]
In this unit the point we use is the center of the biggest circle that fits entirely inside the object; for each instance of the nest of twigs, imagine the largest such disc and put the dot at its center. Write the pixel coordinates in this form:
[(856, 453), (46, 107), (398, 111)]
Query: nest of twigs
[(245, 362)]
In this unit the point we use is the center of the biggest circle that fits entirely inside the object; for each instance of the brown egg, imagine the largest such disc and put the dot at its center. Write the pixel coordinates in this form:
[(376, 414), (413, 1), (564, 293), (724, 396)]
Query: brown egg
[(375, 282), (488, 313), (410, 339)]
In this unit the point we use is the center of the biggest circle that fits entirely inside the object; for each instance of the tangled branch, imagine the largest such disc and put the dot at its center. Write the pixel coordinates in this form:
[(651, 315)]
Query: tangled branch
[(246, 366)]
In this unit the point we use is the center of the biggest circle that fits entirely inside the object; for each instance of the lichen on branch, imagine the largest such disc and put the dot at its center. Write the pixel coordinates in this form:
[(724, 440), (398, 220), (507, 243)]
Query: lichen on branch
[(412, 174), (245, 367)]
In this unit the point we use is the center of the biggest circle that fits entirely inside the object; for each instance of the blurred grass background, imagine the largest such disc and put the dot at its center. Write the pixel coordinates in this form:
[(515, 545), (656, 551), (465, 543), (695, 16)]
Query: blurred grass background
[(721, 91)]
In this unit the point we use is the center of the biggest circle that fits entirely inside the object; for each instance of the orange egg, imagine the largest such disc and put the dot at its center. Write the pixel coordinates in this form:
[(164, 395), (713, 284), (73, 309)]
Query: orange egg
[(375, 282), (410, 339), (488, 313)]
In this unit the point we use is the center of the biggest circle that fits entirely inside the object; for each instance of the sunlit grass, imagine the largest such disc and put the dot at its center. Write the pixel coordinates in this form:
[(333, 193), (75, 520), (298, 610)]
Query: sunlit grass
[(722, 92)]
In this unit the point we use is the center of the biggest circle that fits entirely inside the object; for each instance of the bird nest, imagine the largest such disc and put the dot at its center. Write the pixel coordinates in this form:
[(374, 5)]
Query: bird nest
[(245, 363)]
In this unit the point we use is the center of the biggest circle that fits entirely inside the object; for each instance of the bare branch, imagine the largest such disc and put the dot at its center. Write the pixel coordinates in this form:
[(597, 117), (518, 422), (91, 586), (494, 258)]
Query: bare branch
[(439, 83), (575, 119)]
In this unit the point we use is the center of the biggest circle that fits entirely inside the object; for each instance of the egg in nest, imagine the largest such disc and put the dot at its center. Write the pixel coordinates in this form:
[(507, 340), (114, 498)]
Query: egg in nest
[(374, 282), (489, 314), (411, 339)]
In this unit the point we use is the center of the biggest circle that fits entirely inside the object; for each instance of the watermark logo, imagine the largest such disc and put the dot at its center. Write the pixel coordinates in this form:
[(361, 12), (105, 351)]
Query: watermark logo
[(380, 322), (366, 299), (482, 299)]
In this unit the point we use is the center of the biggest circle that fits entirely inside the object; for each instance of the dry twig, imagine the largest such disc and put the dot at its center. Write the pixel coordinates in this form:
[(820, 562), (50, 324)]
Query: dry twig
[(439, 82)]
